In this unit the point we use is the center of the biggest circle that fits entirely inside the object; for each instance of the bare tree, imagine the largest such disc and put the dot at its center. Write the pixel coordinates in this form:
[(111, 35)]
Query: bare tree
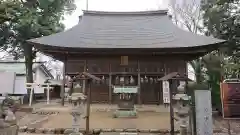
[(186, 14)]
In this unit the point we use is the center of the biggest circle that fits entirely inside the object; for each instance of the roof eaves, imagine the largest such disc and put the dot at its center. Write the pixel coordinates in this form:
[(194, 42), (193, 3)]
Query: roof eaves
[(92, 12)]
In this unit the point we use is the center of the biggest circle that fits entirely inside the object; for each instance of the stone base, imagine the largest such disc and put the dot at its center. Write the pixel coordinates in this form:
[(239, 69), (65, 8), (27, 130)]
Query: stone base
[(125, 114)]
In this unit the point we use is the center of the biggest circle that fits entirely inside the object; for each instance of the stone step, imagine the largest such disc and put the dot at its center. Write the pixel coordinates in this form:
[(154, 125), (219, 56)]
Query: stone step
[(125, 114)]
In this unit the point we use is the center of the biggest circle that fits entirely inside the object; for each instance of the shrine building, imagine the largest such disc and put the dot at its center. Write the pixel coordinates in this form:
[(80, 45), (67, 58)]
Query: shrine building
[(136, 48)]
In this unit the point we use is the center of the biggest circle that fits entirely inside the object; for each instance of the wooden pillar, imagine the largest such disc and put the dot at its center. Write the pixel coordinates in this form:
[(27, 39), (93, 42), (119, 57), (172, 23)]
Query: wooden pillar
[(110, 84), (171, 107), (139, 84), (110, 88), (84, 81), (64, 79), (88, 106), (165, 69)]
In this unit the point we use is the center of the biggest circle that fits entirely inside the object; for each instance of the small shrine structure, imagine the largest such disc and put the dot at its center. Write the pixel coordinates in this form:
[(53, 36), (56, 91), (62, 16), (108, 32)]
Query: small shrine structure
[(78, 98), (136, 48)]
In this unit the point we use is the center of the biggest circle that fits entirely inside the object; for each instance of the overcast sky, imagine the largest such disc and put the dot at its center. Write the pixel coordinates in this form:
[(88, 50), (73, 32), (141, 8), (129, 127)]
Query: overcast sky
[(113, 5)]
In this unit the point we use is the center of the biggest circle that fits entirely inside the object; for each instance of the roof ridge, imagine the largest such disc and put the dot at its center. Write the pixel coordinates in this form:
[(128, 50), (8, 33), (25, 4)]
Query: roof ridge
[(151, 12)]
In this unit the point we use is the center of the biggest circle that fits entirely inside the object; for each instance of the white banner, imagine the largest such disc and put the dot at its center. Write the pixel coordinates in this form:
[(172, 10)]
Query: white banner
[(125, 89), (166, 92)]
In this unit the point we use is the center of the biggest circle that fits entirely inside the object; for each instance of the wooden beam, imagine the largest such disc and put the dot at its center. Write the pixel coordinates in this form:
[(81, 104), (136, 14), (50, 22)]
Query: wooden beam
[(120, 73), (88, 106), (64, 80), (171, 107), (139, 83), (131, 51), (84, 81), (110, 85)]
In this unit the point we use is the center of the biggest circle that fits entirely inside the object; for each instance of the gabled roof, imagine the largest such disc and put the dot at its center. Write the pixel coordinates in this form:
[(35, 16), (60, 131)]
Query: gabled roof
[(119, 30)]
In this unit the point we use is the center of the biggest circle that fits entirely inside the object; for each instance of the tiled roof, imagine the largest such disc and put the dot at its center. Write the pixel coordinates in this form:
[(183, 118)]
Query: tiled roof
[(152, 29)]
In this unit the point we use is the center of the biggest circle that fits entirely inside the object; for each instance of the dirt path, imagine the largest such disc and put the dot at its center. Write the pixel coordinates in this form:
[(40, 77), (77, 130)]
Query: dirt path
[(145, 120), (30, 119)]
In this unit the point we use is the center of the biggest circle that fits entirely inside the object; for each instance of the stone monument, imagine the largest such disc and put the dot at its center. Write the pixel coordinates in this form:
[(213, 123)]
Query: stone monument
[(204, 122)]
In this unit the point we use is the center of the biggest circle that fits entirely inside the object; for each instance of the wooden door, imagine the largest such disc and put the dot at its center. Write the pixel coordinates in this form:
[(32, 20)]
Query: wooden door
[(100, 90), (151, 90)]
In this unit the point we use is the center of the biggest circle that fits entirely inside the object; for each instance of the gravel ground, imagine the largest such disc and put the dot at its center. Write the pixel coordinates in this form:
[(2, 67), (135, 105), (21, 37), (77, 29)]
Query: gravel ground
[(30, 119), (20, 115), (234, 124), (145, 120)]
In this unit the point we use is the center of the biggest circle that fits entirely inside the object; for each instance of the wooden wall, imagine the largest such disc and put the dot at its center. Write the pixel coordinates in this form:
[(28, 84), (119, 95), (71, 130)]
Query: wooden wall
[(109, 69)]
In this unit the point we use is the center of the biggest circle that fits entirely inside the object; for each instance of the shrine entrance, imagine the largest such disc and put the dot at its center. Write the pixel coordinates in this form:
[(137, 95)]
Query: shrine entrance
[(100, 89), (151, 89)]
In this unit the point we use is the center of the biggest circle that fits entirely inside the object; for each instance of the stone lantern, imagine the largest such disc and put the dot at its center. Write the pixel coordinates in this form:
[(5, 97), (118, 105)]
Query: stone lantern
[(77, 101), (182, 107)]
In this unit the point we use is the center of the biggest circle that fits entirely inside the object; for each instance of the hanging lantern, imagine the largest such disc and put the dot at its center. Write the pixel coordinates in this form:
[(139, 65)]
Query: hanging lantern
[(117, 80), (131, 80), (146, 79), (103, 79), (151, 80), (142, 80), (122, 80)]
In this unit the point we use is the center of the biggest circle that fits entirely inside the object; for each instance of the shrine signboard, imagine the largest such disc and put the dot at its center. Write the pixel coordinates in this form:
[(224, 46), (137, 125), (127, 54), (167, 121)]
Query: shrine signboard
[(125, 89), (166, 92), (230, 97)]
